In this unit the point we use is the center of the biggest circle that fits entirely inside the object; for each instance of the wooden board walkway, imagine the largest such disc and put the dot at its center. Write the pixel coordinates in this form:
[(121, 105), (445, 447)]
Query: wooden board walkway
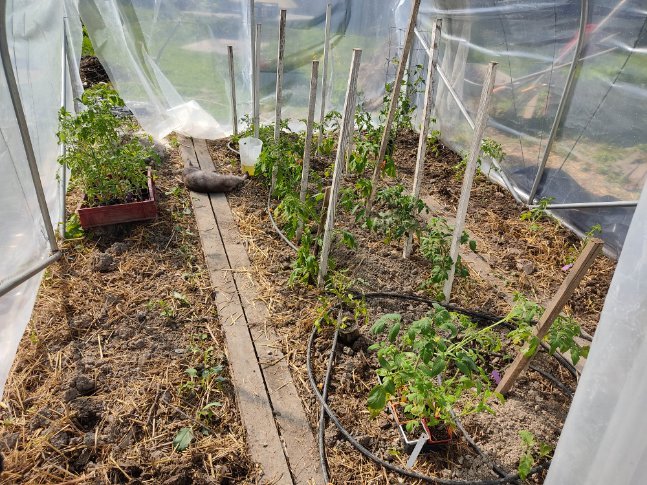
[(279, 437)]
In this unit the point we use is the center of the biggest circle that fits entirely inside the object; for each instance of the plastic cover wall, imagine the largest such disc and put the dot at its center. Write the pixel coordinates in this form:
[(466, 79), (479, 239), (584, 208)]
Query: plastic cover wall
[(35, 40), (168, 58), (600, 151), (603, 440)]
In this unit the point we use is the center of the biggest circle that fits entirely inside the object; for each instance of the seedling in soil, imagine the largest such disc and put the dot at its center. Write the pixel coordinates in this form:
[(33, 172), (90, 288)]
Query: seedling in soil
[(574, 251), (166, 309), (435, 243), (561, 335), (306, 266), (183, 439), (205, 371), (489, 147), (536, 213), (532, 452), (73, 229), (340, 297)]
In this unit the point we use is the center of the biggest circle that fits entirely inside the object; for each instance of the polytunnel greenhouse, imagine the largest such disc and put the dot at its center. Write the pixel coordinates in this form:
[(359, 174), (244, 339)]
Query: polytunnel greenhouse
[(290, 241)]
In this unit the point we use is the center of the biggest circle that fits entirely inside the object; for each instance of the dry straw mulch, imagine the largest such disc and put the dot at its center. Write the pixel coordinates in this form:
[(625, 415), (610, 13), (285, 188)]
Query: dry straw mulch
[(99, 387)]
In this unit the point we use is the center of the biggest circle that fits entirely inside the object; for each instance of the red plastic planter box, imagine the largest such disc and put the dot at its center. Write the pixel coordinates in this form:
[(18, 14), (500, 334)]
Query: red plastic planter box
[(120, 213)]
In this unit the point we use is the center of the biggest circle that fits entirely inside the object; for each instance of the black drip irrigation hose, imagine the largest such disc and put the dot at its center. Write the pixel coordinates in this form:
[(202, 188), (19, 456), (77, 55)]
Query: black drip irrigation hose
[(232, 148), (322, 418), (367, 453), (276, 228)]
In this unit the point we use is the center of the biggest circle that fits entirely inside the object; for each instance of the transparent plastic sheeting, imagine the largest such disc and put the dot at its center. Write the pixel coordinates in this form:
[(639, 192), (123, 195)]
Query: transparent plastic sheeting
[(600, 150), (35, 40), (603, 440), (168, 59)]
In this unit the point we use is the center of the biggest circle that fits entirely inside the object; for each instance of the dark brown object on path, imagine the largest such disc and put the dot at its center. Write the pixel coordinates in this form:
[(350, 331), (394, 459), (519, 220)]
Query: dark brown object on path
[(210, 182)]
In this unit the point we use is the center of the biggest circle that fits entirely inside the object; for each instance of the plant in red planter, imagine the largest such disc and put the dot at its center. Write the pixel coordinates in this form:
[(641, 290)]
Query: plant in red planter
[(412, 361), (108, 162)]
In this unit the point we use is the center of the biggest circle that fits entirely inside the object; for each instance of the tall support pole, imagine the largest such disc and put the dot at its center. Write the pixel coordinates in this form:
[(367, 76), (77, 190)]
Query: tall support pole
[(567, 288), (232, 86), (279, 75), (257, 80), (305, 171), (279, 91), (564, 101), (324, 82), (393, 106), (75, 76), (253, 63), (63, 168), (470, 170), (426, 121), (346, 130), (19, 112)]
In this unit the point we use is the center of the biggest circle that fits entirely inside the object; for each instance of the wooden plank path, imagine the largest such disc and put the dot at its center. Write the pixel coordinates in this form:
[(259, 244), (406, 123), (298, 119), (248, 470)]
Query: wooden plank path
[(278, 433)]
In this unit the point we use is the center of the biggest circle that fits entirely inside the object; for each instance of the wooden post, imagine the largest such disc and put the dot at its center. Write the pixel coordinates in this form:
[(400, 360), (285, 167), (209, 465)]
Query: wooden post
[(470, 170), (583, 263), (347, 125), (232, 85), (305, 171), (257, 79), (426, 118), (324, 82), (279, 75), (395, 94), (279, 92)]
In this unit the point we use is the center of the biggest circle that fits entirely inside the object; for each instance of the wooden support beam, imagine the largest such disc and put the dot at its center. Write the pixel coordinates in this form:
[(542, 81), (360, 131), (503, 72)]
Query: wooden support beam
[(279, 92), (572, 281), (470, 171), (347, 123), (393, 106), (426, 121)]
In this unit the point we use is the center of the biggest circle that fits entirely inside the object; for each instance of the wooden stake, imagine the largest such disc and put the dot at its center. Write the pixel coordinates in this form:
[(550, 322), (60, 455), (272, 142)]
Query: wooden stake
[(470, 170), (395, 95), (232, 85), (322, 219), (279, 75), (279, 92), (347, 125), (426, 119), (257, 80), (572, 281), (324, 82), (305, 171)]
